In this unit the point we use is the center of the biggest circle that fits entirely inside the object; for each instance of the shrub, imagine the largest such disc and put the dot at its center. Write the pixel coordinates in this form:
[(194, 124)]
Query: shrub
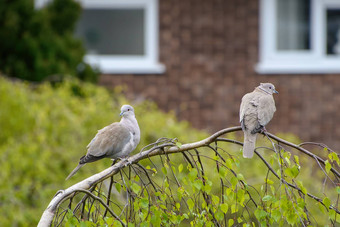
[(36, 44), (44, 132)]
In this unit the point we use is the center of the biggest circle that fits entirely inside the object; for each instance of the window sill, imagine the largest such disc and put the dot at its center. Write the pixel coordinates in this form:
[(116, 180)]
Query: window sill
[(298, 67), (125, 65)]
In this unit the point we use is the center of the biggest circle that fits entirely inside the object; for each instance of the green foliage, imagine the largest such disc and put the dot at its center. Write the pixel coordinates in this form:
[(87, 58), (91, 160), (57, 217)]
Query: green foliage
[(36, 44), (44, 132), (206, 191)]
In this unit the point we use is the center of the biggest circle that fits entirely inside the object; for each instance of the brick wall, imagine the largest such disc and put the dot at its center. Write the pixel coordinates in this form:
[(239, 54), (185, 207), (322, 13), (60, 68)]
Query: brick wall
[(210, 49)]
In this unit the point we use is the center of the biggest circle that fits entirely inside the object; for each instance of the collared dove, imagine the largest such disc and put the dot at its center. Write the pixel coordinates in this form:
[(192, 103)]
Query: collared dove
[(114, 141), (256, 110)]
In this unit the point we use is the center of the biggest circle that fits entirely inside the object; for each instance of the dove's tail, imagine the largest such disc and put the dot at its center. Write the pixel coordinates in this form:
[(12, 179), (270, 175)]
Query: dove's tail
[(74, 171), (249, 144)]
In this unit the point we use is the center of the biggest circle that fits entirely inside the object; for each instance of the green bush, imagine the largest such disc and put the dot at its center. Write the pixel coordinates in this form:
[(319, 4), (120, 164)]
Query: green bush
[(36, 44), (44, 132)]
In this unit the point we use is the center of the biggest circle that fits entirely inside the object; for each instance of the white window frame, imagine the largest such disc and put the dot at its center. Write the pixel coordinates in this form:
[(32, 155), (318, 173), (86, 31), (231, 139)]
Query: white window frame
[(315, 60), (126, 64)]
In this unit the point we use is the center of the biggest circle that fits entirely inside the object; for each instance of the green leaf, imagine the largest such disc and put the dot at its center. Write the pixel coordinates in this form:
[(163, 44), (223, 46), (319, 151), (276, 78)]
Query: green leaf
[(144, 224), (116, 223), (260, 214), (164, 170), (338, 189), (333, 157), (229, 163), (180, 192), (269, 181), (267, 198), (198, 184), (180, 168), (156, 219), (192, 174), (292, 171), (332, 214), (223, 172), (230, 222), (118, 187), (233, 182), (234, 208), (219, 215), (215, 199), (224, 207), (240, 197), (328, 166), (327, 202), (272, 189), (292, 219), (135, 188), (240, 177), (276, 215), (178, 144), (178, 206), (322, 208), (207, 186), (144, 203), (191, 204)]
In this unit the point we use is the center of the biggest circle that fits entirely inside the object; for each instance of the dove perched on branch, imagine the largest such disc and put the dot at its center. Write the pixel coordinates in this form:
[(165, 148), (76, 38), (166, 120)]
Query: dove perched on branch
[(114, 141), (256, 110)]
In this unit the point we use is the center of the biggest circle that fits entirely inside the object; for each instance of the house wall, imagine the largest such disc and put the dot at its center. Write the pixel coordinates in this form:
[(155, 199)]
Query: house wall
[(210, 49)]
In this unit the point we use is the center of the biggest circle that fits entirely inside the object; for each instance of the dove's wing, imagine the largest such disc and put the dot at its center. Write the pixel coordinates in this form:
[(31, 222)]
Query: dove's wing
[(108, 142)]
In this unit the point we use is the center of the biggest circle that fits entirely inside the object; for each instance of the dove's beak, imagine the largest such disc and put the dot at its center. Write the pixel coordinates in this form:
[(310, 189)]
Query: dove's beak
[(121, 114), (275, 91)]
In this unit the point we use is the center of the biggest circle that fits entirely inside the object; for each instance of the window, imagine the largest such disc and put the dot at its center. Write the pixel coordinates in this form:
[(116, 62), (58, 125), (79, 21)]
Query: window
[(121, 36), (299, 36)]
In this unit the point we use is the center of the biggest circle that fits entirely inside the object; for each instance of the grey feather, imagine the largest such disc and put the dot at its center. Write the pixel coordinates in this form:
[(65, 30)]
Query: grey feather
[(114, 141), (74, 171), (256, 110)]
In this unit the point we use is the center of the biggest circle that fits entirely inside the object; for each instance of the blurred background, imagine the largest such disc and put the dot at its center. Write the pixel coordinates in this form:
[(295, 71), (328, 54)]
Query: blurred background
[(192, 58)]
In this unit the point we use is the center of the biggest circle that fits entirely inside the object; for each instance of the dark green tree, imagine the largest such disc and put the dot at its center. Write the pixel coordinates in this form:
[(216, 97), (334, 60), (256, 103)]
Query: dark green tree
[(39, 43)]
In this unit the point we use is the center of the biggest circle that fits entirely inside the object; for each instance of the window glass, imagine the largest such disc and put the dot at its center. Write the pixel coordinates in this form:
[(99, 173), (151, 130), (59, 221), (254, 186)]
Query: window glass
[(293, 24), (112, 31), (333, 32)]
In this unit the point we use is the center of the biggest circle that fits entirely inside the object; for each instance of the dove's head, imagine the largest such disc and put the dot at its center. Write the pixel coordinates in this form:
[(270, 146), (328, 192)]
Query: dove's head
[(127, 110), (268, 88)]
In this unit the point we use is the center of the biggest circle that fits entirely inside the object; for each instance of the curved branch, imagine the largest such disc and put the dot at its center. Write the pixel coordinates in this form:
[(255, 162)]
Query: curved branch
[(161, 147), (102, 202)]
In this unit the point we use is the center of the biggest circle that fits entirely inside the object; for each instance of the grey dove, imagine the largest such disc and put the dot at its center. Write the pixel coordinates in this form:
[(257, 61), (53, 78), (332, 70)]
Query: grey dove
[(114, 141), (256, 110)]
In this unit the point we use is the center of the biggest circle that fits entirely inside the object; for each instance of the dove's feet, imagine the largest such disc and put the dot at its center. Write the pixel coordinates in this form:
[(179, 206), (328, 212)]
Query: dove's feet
[(114, 162), (258, 129), (126, 160)]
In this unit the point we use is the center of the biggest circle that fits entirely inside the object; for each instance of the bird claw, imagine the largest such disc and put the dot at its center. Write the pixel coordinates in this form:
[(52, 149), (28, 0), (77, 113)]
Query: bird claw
[(263, 129), (127, 161)]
